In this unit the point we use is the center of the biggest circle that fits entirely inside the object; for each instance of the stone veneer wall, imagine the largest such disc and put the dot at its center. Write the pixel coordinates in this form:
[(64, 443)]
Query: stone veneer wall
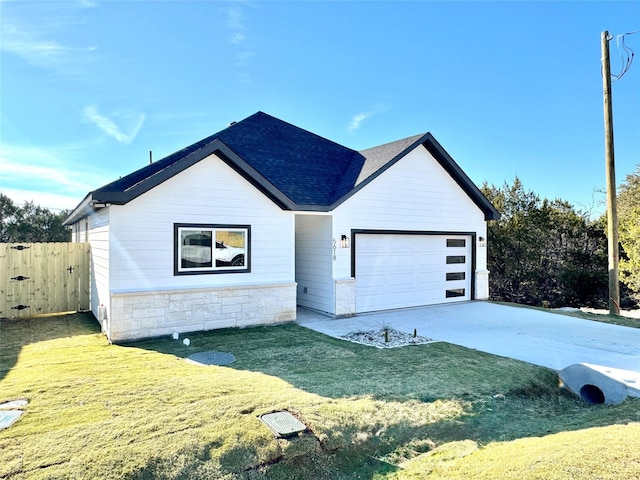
[(135, 315), (345, 297)]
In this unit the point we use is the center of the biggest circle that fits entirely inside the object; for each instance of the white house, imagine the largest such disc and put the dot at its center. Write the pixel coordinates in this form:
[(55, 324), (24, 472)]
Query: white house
[(241, 227)]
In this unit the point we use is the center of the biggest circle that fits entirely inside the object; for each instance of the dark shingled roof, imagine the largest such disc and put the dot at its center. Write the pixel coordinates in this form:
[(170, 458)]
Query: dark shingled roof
[(378, 157), (308, 169), (296, 169)]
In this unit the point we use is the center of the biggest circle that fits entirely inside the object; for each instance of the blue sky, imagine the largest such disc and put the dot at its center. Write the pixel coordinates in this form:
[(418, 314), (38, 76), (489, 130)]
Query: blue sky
[(89, 87)]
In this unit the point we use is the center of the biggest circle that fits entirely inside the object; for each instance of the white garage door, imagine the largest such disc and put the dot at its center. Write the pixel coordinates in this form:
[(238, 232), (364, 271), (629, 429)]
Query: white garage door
[(397, 271)]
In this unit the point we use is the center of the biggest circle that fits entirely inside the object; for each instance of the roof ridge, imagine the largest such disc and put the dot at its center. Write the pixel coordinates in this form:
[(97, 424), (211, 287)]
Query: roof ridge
[(379, 158), (405, 139), (328, 140)]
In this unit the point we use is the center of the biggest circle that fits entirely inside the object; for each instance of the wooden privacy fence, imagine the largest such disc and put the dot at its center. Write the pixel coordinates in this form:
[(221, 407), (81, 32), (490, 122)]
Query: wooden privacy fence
[(37, 278)]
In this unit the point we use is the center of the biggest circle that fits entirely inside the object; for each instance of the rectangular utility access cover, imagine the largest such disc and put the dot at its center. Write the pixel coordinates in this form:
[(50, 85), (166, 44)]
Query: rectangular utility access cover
[(283, 424)]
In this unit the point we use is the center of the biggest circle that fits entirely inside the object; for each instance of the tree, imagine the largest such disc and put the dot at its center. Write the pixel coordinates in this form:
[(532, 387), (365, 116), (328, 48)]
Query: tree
[(30, 223), (513, 244), (629, 232), (7, 218), (544, 252)]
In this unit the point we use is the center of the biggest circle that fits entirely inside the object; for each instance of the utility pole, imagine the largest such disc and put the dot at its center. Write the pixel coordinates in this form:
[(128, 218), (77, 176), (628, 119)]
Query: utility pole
[(612, 209)]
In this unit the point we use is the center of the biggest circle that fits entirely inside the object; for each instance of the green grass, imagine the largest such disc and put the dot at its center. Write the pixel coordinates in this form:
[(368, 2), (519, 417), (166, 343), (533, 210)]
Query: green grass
[(594, 453), (607, 318), (141, 411)]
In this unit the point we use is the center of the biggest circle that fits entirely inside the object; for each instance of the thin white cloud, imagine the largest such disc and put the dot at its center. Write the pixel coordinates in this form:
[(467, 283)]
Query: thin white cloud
[(52, 201), (40, 52), (234, 18), (36, 44), (236, 24), (245, 78), (49, 176), (238, 38), (242, 59), (110, 127), (359, 118)]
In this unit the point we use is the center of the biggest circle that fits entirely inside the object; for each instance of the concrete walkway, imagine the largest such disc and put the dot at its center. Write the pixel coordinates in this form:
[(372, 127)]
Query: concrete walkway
[(547, 339)]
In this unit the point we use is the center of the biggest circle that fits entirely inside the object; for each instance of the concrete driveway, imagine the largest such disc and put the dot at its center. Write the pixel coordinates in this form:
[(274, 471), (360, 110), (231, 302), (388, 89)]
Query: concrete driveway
[(547, 339)]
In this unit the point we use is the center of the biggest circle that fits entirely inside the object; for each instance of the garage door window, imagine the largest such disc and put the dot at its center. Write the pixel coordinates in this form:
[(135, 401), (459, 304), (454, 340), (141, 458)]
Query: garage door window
[(451, 259), (455, 292), (455, 276), (456, 242)]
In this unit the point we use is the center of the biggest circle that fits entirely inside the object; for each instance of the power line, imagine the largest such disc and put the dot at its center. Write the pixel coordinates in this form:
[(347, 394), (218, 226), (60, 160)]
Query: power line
[(626, 55)]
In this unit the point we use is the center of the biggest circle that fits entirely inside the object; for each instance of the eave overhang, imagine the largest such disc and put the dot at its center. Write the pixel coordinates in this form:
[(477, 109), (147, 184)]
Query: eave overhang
[(104, 196)]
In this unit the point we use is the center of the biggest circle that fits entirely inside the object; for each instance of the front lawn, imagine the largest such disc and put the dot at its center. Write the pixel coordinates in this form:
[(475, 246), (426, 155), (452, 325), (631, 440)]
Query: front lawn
[(141, 411)]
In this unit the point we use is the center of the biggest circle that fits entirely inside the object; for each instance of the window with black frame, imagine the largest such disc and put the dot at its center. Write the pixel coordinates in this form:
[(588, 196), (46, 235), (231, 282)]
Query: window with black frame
[(211, 248)]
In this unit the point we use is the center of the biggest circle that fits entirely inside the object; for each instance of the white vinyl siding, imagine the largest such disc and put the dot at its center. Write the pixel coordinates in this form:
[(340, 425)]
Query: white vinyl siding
[(99, 240), (142, 231), (95, 230), (415, 194), (313, 262)]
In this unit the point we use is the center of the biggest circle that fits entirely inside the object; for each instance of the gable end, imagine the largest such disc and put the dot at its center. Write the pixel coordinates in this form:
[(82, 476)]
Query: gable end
[(461, 178), (442, 157)]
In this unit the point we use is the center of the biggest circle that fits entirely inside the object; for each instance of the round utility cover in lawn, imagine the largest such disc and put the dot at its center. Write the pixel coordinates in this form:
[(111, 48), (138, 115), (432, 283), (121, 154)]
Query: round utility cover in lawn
[(211, 358)]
